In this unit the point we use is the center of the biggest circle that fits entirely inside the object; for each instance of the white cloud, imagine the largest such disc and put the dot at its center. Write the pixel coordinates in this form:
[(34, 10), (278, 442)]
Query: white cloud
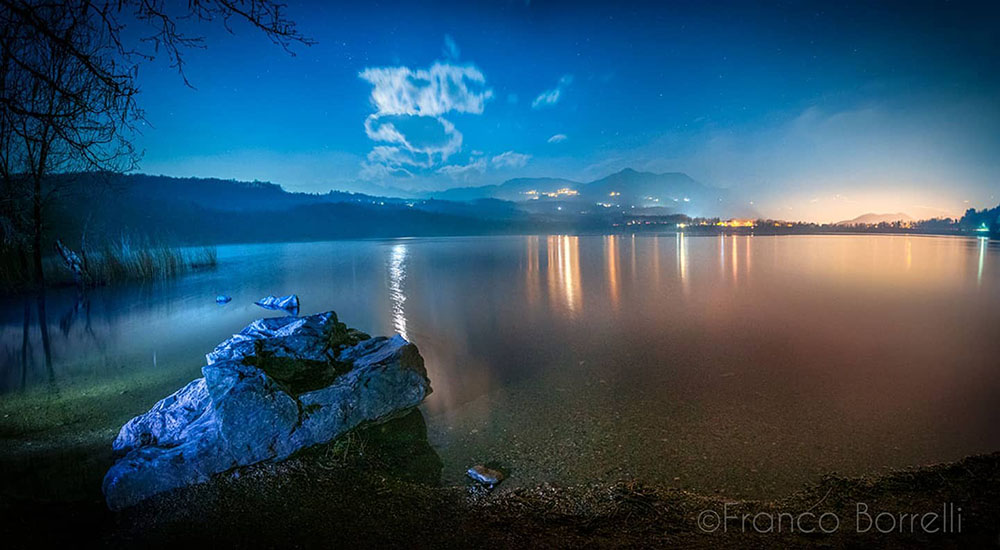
[(558, 138), (427, 92), (549, 98), (510, 159), (402, 95)]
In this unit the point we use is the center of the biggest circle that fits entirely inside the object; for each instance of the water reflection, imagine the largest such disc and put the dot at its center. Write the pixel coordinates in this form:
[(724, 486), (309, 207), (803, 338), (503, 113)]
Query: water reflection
[(682, 261), (722, 256), (564, 272), (531, 270), (735, 261), (982, 259), (855, 352), (397, 277), (656, 260), (611, 261)]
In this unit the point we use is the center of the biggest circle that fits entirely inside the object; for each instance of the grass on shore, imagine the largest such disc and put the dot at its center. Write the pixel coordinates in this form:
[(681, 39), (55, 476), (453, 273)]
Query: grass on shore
[(124, 261), (111, 262)]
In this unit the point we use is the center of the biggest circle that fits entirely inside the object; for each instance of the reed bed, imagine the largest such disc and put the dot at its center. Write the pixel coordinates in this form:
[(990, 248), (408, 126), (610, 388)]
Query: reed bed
[(111, 262), (127, 260)]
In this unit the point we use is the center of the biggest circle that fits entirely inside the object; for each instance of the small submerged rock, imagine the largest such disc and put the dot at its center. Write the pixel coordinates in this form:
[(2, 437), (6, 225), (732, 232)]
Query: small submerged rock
[(484, 475), (276, 387)]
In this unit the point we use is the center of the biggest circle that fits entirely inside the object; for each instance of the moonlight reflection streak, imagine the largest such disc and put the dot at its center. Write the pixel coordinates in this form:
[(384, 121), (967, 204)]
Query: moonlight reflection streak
[(397, 276)]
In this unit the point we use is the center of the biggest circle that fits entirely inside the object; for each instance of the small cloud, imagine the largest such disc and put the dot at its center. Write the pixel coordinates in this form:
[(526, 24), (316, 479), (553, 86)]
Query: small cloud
[(558, 138), (451, 50), (464, 171), (510, 159), (549, 98)]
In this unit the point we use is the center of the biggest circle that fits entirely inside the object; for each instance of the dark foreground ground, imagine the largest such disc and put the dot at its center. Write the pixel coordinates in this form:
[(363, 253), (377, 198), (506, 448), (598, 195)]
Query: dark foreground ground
[(377, 487)]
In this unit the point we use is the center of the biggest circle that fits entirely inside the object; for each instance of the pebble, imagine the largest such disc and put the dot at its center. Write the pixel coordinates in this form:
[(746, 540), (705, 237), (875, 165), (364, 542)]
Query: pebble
[(484, 475)]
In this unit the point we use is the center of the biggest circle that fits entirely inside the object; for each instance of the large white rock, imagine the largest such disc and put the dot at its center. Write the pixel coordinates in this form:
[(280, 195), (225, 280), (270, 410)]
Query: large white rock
[(274, 388)]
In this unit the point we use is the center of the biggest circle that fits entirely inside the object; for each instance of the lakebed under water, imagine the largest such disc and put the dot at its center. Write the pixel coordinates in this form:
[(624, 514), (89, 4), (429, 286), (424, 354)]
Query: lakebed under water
[(736, 365)]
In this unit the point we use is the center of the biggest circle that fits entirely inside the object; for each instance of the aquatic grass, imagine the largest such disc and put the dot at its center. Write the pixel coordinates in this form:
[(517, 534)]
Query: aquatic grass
[(206, 257), (128, 259)]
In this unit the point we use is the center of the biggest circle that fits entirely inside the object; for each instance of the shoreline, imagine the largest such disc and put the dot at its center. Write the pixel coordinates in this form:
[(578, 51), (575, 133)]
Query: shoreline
[(377, 485)]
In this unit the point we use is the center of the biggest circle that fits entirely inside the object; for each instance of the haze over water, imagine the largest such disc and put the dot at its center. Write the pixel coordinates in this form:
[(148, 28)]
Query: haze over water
[(746, 365)]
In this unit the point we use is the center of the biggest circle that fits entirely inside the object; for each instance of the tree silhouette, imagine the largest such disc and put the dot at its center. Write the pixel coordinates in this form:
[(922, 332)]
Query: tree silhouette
[(69, 91)]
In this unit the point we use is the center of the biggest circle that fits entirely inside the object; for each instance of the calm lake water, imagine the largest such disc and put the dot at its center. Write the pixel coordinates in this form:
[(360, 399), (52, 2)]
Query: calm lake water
[(745, 365)]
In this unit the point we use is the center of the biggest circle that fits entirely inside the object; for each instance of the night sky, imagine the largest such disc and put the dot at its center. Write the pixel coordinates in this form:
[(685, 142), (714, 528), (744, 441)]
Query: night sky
[(813, 111)]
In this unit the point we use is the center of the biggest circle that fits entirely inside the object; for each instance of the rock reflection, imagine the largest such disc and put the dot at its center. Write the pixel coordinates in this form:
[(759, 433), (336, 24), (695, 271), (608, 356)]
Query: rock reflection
[(401, 449)]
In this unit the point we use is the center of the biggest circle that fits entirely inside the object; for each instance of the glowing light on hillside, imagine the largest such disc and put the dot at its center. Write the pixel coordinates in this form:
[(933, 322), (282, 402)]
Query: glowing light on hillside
[(562, 192), (736, 223)]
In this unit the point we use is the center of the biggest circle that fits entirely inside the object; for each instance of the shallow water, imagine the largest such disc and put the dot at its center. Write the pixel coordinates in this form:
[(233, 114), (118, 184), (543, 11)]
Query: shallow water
[(740, 365)]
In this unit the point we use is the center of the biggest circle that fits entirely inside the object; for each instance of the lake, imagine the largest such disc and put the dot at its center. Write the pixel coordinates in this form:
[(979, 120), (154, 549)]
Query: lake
[(736, 365)]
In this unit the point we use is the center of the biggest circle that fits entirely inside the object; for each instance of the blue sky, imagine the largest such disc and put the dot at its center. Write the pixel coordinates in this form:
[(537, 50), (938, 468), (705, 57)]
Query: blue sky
[(812, 111)]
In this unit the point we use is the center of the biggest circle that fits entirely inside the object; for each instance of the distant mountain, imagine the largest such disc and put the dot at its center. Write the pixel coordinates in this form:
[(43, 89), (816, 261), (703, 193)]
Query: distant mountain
[(625, 190), (875, 219), (97, 207), (514, 190)]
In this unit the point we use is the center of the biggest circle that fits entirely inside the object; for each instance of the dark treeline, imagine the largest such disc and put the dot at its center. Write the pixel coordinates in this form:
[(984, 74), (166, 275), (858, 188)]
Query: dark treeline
[(198, 211), (109, 213), (191, 211)]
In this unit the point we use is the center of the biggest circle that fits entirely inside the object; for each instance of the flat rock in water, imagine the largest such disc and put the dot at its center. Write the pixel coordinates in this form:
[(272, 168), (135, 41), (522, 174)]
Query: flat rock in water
[(277, 386), (288, 303)]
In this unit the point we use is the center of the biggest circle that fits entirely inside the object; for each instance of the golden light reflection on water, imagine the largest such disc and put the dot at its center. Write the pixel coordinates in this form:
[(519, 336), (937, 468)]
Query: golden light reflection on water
[(682, 261), (563, 272), (633, 272), (611, 261), (747, 255)]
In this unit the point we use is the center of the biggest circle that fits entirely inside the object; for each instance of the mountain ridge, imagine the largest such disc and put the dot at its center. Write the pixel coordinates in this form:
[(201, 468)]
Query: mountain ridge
[(871, 218)]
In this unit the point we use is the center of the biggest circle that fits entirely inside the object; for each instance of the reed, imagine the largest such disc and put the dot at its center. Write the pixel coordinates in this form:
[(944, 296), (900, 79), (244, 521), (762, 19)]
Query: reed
[(143, 260), (126, 259)]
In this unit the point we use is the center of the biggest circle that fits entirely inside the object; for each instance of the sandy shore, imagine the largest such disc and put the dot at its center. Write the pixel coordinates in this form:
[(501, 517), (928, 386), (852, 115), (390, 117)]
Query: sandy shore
[(379, 487)]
